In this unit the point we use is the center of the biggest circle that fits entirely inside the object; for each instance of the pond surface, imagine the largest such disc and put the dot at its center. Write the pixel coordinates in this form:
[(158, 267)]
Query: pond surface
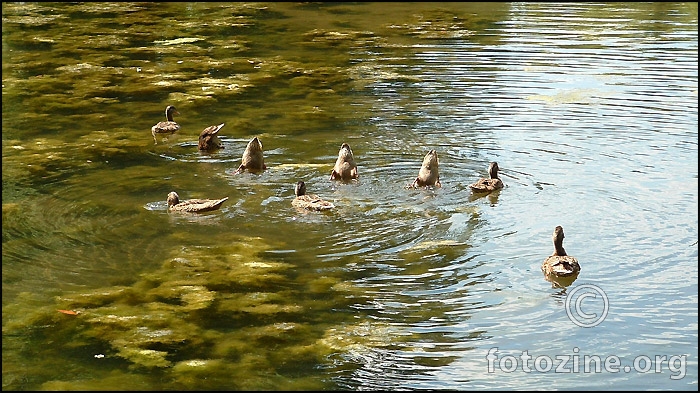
[(590, 110)]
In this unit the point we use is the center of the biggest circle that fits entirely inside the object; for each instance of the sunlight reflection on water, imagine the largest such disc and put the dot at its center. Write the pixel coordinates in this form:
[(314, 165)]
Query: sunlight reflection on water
[(590, 111)]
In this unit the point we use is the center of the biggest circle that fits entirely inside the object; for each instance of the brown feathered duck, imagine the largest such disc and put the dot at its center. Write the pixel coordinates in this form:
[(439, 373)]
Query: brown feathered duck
[(193, 205), (252, 160), (429, 174), (559, 264), (345, 168), (309, 201), (491, 184), (208, 140), (168, 126)]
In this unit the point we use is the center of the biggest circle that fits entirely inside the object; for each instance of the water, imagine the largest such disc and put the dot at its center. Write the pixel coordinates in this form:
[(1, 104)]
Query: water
[(589, 109)]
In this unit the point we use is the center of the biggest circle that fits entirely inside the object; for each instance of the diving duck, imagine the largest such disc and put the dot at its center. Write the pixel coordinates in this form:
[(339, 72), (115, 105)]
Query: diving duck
[(252, 160), (311, 202), (345, 168), (559, 264), (428, 175), (193, 205), (491, 184), (166, 127), (208, 140)]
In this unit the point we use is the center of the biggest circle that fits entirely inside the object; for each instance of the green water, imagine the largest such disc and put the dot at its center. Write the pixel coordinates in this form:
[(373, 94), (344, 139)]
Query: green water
[(589, 109)]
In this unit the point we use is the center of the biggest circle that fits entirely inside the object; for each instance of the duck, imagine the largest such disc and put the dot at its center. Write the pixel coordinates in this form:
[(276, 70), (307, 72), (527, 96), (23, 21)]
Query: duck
[(559, 264), (487, 185), (193, 205), (166, 127), (345, 168), (253, 160), (309, 201), (429, 174), (208, 140)]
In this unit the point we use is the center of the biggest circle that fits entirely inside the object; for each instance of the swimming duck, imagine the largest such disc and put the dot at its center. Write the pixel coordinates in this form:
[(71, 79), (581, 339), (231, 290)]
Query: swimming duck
[(488, 185), (166, 127), (208, 140), (193, 205), (345, 168), (311, 202), (428, 175), (252, 160), (559, 264)]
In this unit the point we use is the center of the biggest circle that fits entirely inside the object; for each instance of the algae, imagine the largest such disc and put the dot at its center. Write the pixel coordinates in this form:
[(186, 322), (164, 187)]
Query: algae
[(212, 301)]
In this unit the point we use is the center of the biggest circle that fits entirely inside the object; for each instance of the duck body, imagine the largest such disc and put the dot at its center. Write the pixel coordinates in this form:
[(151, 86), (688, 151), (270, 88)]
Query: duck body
[(345, 168), (310, 201), (429, 174), (208, 140), (193, 205), (252, 160), (493, 183), (169, 126), (559, 264)]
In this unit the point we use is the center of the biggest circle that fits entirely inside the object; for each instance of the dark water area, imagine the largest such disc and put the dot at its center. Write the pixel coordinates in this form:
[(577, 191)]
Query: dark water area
[(589, 109)]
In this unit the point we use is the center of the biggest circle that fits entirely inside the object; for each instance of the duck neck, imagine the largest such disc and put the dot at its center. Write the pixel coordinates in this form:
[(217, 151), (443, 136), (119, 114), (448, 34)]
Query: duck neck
[(169, 115), (559, 249), (493, 172)]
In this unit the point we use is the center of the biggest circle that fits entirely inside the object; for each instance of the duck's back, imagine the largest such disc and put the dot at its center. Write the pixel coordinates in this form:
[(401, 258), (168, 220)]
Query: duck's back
[(344, 169), (163, 127), (198, 205), (560, 265), (485, 185), (311, 202)]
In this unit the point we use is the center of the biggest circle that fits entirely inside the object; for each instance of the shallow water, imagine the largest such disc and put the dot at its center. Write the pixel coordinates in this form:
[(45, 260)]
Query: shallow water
[(589, 109)]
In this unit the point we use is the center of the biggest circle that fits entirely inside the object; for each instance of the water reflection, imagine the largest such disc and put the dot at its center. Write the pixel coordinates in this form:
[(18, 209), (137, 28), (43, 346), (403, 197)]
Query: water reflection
[(492, 197), (561, 282)]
